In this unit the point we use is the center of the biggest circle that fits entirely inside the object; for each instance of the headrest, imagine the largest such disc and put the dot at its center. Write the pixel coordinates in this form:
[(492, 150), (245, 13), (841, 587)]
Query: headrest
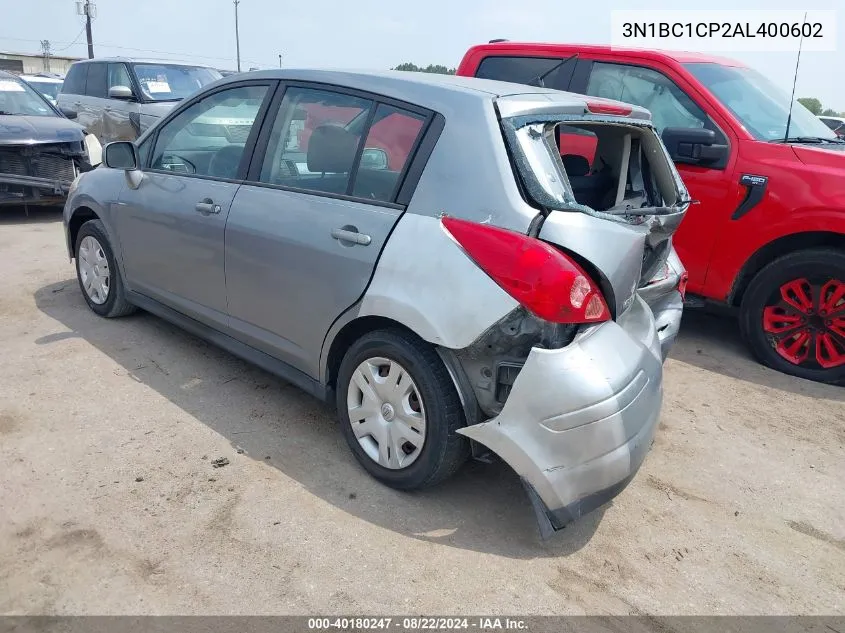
[(331, 149), (575, 165)]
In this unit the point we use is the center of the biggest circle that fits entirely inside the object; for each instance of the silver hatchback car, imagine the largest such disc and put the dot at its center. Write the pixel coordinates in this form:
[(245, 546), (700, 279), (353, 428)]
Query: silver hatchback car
[(411, 249)]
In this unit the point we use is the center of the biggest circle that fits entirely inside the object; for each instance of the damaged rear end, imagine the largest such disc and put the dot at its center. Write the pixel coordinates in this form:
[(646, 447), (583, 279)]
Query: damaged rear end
[(570, 382)]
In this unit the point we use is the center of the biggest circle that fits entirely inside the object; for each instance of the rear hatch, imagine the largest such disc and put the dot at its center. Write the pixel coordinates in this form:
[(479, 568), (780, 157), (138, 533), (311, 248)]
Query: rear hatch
[(609, 191)]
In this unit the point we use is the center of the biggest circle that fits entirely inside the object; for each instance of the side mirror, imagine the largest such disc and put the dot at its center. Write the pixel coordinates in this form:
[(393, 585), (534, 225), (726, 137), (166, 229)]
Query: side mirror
[(374, 158), (121, 155), (121, 92), (69, 113), (694, 146)]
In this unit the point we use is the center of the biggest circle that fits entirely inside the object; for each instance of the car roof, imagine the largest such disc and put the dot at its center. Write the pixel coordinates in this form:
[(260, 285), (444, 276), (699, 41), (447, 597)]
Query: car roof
[(832, 117), (141, 60), (37, 78), (681, 57), (430, 90)]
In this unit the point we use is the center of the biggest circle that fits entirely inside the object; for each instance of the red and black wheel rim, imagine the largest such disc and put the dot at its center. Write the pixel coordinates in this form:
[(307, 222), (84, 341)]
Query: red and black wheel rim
[(804, 321)]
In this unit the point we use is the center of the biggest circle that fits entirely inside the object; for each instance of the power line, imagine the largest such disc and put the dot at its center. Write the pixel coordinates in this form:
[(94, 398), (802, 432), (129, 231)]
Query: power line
[(140, 50), (64, 48)]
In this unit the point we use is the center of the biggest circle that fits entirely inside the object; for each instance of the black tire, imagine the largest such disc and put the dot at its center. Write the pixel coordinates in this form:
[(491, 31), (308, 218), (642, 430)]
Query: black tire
[(116, 304), (444, 451), (819, 265)]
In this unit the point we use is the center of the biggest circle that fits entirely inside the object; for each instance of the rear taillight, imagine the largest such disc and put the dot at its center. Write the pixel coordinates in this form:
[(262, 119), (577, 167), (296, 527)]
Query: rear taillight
[(541, 278), (682, 284)]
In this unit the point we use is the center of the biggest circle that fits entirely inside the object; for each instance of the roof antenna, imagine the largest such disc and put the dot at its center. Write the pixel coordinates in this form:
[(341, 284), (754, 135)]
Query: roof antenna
[(794, 81)]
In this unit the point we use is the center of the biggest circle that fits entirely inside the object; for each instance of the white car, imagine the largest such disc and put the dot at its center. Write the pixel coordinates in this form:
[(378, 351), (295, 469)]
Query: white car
[(835, 123), (48, 86)]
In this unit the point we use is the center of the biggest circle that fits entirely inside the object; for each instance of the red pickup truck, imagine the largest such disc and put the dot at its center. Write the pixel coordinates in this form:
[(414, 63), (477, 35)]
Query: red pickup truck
[(766, 233)]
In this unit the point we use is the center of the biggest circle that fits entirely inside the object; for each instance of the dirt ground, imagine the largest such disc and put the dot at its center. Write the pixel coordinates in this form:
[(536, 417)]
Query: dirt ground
[(110, 504)]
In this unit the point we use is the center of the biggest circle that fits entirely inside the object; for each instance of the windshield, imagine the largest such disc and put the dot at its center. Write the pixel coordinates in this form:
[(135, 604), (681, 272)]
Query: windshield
[(172, 82), (47, 88), (760, 106), (18, 98)]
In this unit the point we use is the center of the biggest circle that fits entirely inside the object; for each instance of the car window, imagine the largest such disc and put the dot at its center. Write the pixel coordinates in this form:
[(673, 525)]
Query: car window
[(17, 97), (208, 138), (553, 72), (315, 140), (387, 150), (97, 85), (669, 105), (75, 81), (833, 124), (119, 76), (172, 82)]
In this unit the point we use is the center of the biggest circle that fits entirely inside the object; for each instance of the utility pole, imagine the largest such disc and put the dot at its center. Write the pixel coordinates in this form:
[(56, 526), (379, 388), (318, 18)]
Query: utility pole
[(89, 10), (280, 60), (237, 35)]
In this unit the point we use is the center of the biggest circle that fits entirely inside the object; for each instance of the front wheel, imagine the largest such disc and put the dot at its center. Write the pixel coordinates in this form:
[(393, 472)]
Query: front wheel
[(793, 315), (399, 410), (98, 274)]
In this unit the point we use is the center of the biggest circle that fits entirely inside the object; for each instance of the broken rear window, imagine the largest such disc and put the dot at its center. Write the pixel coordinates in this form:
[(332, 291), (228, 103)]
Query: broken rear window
[(608, 166)]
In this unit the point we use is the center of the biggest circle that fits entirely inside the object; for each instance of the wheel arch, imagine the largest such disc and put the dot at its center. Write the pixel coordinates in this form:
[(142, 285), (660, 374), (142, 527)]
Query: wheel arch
[(777, 248), (80, 216)]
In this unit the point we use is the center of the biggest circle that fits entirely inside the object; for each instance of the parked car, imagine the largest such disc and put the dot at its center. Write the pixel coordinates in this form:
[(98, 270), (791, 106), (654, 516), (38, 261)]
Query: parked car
[(41, 150), (767, 235), (447, 293), (835, 123), (118, 98), (47, 85)]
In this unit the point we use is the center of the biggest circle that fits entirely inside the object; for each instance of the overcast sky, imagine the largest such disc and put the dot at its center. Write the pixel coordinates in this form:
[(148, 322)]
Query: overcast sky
[(372, 33)]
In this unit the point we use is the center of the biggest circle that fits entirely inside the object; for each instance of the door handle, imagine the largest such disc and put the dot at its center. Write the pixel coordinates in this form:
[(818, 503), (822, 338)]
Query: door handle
[(349, 235), (207, 207)]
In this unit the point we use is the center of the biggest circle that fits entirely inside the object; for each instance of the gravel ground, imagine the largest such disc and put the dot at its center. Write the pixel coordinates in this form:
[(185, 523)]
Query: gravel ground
[(110, 503)]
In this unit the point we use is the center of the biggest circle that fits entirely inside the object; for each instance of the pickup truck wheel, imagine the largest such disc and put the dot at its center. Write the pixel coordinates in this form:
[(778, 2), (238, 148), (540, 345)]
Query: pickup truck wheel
[(399, 410), (793, 315), (98, 274)]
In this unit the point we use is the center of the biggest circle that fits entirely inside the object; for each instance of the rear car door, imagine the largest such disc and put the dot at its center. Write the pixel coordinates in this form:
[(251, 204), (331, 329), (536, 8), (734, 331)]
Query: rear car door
[(171, 226), (73, 92), (712, 186), (306, 230), (95, 100)]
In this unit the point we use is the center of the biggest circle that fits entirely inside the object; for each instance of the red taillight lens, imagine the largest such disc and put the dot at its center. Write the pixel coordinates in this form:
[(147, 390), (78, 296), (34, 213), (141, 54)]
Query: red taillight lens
[(544, 280), (602, 107), (682, 284)]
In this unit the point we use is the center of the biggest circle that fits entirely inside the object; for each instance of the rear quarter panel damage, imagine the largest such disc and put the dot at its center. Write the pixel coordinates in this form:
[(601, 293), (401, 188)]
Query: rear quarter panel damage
[(424, 281)]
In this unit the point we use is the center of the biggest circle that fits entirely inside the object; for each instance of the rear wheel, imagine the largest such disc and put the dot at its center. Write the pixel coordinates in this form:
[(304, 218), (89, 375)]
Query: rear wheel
[(399, 410), (793, 315)]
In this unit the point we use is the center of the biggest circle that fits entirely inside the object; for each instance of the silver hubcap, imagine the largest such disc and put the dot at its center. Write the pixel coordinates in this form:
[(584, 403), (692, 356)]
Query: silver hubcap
[(94, 270), (386, 413)]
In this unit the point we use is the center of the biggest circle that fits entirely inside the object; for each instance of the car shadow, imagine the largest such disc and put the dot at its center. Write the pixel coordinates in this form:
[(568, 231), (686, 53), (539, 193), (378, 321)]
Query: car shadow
[(712, 342), (482, 508), (18, 214)]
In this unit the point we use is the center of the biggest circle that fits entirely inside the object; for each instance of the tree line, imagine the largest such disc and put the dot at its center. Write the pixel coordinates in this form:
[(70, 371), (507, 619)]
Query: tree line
[(815, 106)]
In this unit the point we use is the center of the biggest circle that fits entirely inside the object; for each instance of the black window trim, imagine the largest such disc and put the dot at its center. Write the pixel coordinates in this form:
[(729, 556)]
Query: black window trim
[(272, 86), (511, 55), (91, 65), (83, 66), (407, 181)]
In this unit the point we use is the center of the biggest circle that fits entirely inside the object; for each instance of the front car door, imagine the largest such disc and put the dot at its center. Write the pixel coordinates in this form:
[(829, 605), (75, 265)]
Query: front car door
[(119, 123), (171, 226), (306, 230), (712, 187)]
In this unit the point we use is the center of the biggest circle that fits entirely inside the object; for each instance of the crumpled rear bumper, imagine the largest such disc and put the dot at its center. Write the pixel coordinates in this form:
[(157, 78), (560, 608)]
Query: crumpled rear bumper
[(579, 420)]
